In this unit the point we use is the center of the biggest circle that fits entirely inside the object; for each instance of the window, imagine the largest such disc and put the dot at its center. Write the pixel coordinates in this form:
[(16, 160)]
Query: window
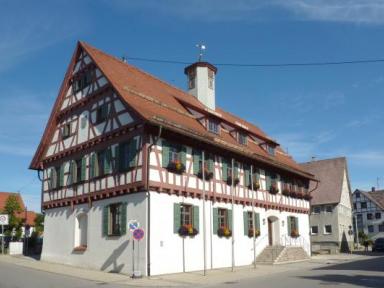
[(198, 164), (81, 232), (363, 205), (328, 209), (174, 153), (54, 175), (293, 226), (227, 171), (381, 228), (101, 163), (328, 229), (369, 216), (242, 138), (191, 79), (82, 81), (371, 229), (378, 215), (222, 218), (316, 210), (186, 214), (210, 79), (101, 113), (357, 194), (174, 157), (213, 126), (314, 230), (271, 150), (354, 206), (79, 169), (66, 131), (127, 155), (250, 220), (115, 219)]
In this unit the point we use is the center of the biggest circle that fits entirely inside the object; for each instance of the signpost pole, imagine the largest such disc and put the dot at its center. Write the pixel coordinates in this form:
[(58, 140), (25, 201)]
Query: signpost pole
[(133, 258), (2, 239)]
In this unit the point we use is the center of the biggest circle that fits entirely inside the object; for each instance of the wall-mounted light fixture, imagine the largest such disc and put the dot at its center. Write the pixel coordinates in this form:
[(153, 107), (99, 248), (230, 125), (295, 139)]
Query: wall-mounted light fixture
[(263, 221), (282, 223)]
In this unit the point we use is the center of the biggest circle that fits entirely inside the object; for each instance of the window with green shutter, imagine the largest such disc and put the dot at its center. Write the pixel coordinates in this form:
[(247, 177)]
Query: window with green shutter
[(61, 175), (174, 157), (186, 219), (198, 164), (215, 220), (197, 159), (83, 166), (93, 166), (247, 176), (224, 169), (107, 163), (293, 226), (165, 154), (114, 219)]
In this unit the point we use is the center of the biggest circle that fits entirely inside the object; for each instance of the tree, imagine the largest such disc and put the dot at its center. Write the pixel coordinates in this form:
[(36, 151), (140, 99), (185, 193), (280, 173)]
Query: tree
[(39, 224), (12, 208)]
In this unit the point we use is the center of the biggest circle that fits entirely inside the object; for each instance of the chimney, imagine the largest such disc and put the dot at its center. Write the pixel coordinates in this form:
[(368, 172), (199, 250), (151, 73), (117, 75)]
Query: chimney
[(201, 82), (373, 189)]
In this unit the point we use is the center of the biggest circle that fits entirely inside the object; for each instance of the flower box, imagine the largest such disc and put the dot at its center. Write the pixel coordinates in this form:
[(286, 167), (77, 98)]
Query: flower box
[(295, 233), (176, 167), (235, 181), (251, 233), (307, 196), (207, 174), (187, 230), (224, 232), (80, 248), (286, 192), (256, 186), (273, 189)]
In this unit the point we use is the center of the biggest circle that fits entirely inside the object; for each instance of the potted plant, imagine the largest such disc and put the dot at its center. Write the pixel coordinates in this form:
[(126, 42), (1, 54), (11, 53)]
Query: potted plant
[(273, 189), (187, 230), (295, 233), (176, 166), (251, 232), (307, 196), (286, 191), (256, 184), (224, 232), (236, 180), (208, 175)]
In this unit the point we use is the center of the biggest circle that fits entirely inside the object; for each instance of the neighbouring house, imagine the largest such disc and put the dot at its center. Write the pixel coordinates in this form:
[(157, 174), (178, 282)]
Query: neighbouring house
[(28, 217), (122, 145), (368, 207), (331, 206)]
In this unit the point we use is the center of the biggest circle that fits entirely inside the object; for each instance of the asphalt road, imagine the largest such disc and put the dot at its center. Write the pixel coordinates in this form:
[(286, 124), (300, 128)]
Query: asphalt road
[(14, 276), (367, 272)]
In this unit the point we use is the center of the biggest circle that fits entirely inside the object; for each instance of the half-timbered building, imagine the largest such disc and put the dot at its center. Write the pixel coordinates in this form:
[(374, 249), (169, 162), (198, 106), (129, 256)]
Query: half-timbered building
[(209, 189)]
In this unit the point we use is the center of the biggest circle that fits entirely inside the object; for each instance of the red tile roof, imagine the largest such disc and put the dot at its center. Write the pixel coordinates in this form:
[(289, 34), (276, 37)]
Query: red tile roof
[(376, 196), (330, 172), (162, 104), (30, 214)]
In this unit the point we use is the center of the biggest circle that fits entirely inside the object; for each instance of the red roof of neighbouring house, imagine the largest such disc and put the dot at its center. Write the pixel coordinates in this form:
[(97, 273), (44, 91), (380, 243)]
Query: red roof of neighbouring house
[(159, 103), (29, 215)]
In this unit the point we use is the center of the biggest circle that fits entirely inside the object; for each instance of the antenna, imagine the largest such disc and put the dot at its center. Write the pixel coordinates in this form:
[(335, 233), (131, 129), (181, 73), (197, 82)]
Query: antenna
[(201, 48)]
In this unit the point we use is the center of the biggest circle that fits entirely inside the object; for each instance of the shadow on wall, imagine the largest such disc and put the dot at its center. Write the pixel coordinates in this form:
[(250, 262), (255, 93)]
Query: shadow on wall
[(355, 280), (113, 259), (372, 264), (344, 245)]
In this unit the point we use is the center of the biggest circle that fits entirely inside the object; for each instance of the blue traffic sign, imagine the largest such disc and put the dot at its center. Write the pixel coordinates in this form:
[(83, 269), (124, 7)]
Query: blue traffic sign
[(138, 234)]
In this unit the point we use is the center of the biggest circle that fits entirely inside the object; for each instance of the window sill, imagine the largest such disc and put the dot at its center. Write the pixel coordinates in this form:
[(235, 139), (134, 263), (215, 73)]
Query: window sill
[(80, 249)]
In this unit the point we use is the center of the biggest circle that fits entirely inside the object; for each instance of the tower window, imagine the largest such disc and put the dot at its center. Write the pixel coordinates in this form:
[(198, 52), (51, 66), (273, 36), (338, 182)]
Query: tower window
[(242, 138), (210, 79), (191, 79), (213, 126)]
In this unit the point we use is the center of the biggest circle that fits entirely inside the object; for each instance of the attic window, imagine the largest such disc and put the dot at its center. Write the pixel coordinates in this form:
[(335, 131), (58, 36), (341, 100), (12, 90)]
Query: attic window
[(210, 79), (66, 131), (82, 81), (213, 126), (101, 113), (271, 150), (191, 79), (242, 138)]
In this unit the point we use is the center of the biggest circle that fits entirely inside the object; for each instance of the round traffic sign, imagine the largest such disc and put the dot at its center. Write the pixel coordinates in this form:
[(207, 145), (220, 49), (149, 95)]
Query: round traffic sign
[(133, 225), (138, 234)]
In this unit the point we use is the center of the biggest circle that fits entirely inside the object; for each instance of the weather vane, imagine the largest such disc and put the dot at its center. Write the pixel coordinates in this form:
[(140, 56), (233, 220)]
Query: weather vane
[(201, 48)]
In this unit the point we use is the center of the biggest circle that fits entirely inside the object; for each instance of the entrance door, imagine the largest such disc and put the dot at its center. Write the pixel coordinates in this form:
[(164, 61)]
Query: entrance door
[(270, 232)]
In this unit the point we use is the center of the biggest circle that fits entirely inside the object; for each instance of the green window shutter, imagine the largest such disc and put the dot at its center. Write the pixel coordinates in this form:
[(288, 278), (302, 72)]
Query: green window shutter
[(92, 166), (132, 153), (176, 217), (224, 169), (107, 160), (105, 222), (183, 156), (229, 215), (123, 215), (267, 180), (165, 154), (236, 169), (215, 220), (49, 178), (289, 225), (70, 173), (257, 221), (83, 168), (73, 172), (245, 219), (297, 225), (210, 163), (117, 158), (196, 161), (196, 217), (246, 176), (61, 178)]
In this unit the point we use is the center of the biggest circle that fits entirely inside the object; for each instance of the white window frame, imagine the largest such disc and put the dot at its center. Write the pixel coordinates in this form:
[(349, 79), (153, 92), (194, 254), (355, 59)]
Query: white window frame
[(325, 229)]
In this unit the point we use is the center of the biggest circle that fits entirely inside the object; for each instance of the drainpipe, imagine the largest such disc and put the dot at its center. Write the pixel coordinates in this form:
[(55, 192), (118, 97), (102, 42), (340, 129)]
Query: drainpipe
[(233, 215), (148, 201), (204, 221), (253, 220)]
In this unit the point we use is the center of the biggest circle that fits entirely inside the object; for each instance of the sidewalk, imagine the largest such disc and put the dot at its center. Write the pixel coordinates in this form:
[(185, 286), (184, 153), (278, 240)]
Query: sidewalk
[(217, 276)]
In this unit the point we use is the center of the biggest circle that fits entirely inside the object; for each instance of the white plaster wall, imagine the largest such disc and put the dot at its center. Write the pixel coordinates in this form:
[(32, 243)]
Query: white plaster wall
[(108, 254)]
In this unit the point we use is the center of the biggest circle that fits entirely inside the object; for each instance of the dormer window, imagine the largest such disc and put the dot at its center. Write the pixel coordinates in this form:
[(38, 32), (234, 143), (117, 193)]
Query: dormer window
[(271, 150), (101, 113), (82, 81), (210, 79), (191, 79), (66, 131), (213, 126), (242, 138)]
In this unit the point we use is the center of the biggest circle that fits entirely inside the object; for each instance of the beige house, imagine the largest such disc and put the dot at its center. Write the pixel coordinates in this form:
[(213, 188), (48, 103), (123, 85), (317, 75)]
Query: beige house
[(331, 206)]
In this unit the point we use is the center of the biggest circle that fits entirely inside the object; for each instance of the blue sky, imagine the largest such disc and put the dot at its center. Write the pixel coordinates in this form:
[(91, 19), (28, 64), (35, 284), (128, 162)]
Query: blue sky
[(312, 111)]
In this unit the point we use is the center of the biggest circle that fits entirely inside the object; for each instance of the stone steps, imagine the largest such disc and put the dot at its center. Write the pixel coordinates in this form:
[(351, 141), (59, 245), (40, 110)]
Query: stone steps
[(281, 254)]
